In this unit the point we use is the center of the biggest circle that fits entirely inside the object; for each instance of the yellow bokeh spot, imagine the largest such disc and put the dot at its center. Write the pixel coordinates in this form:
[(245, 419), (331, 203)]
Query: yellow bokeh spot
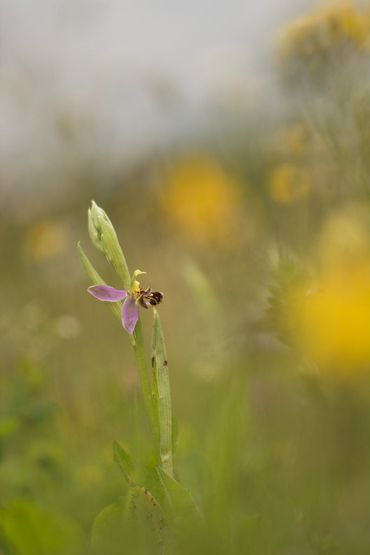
[(344, 241), (332, 313), (288, 184), (335, 322), (45, 240), (202, 201)]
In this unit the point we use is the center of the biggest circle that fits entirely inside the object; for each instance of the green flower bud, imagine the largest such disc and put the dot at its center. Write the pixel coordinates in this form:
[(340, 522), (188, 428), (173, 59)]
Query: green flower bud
[(104, 237), (94, 228)]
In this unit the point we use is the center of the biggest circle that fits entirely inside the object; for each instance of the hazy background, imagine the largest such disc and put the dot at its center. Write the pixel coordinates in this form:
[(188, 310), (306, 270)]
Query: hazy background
[(229, 144), (110, 83)]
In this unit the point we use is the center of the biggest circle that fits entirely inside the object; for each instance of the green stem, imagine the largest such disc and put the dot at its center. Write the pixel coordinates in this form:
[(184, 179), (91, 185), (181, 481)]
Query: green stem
[(138, 346), (162, 396)]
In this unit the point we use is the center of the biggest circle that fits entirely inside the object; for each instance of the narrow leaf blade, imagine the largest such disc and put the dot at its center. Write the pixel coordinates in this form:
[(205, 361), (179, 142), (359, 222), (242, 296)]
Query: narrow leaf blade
[(123, 461)]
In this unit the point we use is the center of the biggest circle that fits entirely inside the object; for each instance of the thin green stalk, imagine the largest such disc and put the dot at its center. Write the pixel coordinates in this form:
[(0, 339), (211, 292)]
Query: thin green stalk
[(162, 396), (138, 346)]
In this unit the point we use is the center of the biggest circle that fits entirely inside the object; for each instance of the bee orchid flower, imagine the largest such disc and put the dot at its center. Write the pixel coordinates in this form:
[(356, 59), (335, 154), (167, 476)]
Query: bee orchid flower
[(131, 300)]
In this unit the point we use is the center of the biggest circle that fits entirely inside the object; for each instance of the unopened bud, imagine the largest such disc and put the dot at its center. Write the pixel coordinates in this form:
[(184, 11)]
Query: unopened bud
[(94, 226), (104, 237)]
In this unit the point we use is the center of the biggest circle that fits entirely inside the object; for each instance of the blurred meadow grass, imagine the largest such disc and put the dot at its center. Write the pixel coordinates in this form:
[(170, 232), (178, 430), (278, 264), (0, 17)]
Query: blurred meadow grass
[(260, 240)]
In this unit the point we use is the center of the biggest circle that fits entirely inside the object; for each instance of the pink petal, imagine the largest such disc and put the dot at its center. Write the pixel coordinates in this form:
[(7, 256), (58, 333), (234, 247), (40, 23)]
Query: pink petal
[(130, 314), (107, 293)]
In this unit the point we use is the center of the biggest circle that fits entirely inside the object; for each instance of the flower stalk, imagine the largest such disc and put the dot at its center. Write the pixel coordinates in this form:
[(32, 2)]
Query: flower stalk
[(125, 305), (162, 395), (138, 346)]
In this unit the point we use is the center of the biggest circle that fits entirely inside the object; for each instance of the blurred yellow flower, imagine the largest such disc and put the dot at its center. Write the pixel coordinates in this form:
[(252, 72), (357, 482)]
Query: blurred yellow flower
[(344, 240), (202, 201), (334, 322), (333, 313), (288, 184), (44, 240), (311, 39)]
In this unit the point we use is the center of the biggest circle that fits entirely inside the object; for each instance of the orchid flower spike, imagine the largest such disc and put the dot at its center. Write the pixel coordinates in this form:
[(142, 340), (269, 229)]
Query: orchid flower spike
[(131, 299)]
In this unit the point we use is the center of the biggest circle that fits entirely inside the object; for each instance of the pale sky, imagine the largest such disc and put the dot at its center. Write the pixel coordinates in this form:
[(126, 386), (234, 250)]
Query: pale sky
[(130, 74)]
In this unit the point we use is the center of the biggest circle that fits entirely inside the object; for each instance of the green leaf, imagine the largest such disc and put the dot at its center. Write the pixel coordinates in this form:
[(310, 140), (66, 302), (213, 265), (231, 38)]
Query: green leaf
[(155, 397), (107, 530), (181, 502), (157, 486), (30, 530), (134, 524), (146, 516), (123, 461)]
